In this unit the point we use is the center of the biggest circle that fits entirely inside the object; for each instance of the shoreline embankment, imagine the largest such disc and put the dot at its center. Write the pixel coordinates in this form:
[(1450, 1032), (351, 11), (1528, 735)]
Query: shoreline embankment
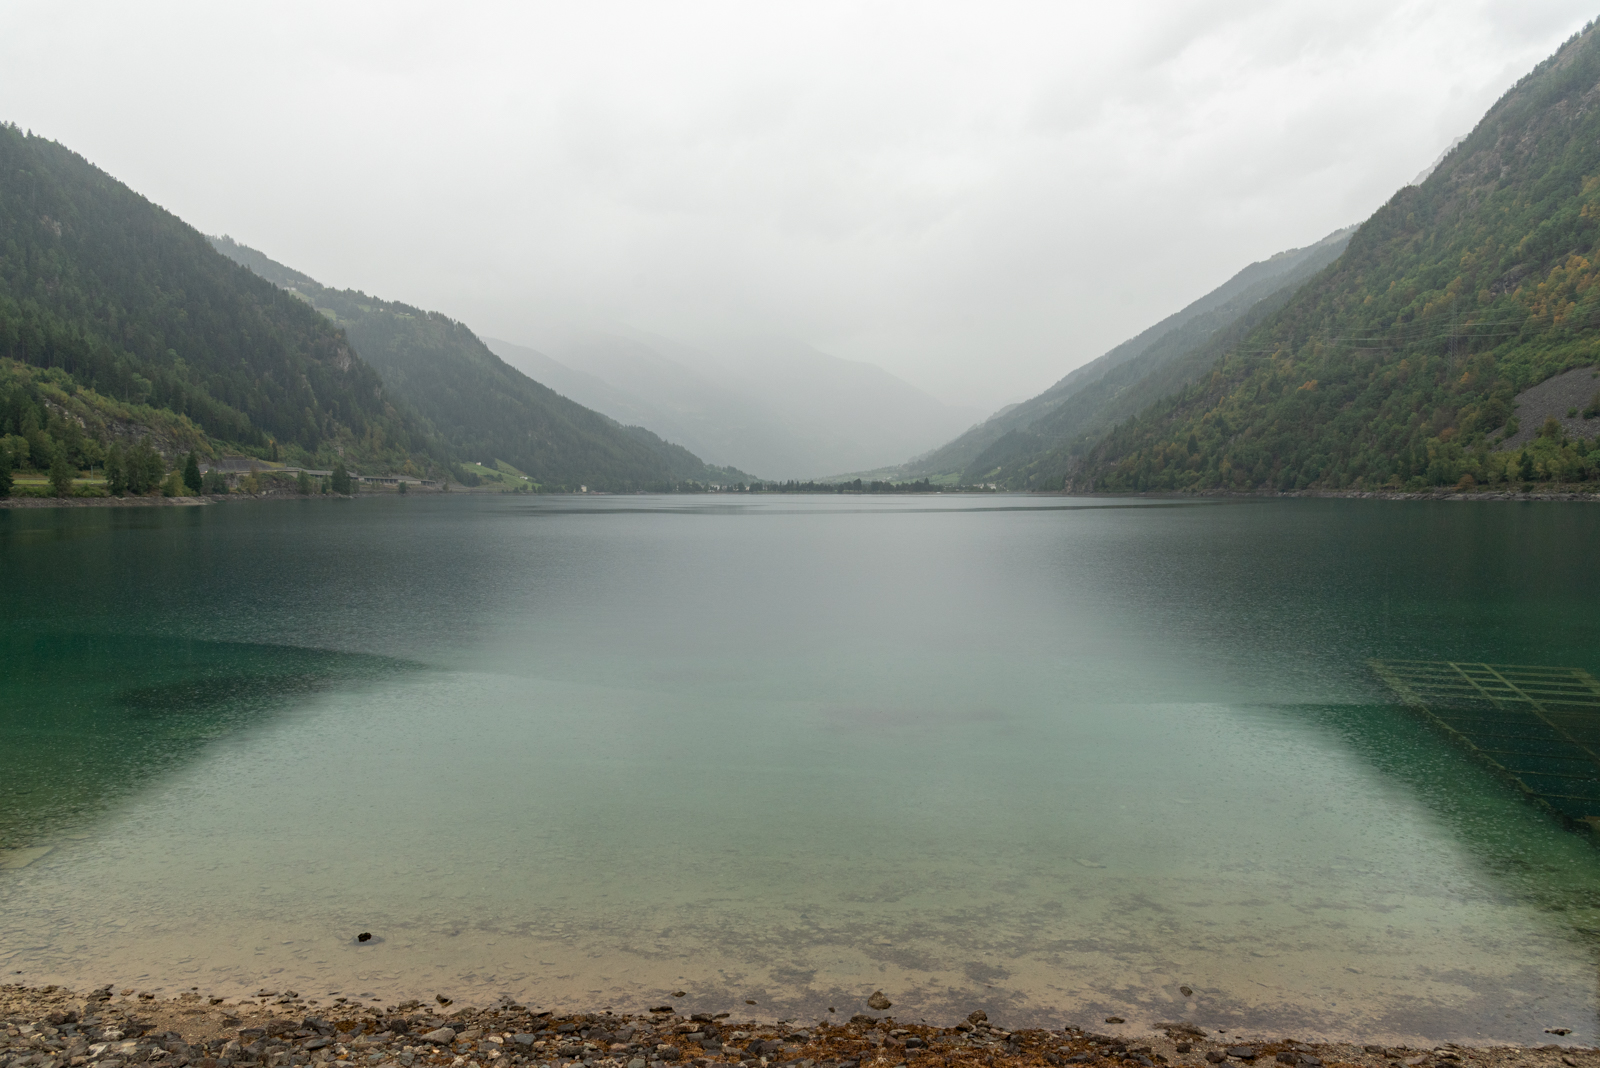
[(1577, 494)]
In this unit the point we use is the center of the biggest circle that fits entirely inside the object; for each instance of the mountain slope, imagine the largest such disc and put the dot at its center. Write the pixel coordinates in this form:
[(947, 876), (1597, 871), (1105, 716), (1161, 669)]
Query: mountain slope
[(1091, 398), (134, 305), (781, 408), (1398, 364), (484, 409)]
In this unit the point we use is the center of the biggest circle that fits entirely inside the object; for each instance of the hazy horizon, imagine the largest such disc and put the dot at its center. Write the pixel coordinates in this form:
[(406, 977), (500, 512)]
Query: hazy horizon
[(974, 202)]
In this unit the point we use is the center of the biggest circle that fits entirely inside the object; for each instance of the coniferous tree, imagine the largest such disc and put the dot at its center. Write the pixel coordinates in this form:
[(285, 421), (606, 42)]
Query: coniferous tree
[(5, 470), (302, 484), (116, 471), (341, 480), (191, 473), (61, 473)]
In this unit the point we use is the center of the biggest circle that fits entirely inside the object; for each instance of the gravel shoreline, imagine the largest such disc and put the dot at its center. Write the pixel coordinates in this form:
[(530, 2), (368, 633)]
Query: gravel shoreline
[(50, 1027)]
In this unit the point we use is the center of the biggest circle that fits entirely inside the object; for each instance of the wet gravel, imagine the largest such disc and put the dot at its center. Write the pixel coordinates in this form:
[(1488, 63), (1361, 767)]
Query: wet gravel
[(51, 1027)]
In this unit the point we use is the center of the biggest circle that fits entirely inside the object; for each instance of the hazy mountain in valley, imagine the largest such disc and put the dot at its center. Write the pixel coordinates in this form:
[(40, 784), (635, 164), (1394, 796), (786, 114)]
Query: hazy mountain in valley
[(781, 408), (485, 409)]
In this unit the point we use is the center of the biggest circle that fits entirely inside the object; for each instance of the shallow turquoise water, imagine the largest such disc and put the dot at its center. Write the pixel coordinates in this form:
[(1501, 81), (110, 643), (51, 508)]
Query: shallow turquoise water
[(1046, 757)]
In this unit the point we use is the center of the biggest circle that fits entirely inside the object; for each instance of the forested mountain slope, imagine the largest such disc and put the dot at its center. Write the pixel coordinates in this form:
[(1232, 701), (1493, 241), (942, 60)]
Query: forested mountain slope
[(1398, 364), (1017, 448), (135, 306), (485, 409)]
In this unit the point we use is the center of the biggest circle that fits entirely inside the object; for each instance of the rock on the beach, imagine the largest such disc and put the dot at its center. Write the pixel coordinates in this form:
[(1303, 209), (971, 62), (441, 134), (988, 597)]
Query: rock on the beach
[(1244, 1053), (442, 1037), (878, 1001)]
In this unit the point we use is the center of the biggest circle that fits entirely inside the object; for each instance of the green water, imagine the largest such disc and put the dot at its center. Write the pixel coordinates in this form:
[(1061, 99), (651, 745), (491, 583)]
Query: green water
[(1050, 758)]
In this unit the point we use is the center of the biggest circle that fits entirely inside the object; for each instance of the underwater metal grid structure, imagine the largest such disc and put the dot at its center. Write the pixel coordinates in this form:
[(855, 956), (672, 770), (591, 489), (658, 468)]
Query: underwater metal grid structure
[(1539, 727)]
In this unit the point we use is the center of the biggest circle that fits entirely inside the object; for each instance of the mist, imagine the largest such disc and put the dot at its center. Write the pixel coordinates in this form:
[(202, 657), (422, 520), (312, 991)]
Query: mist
[(975, 199)]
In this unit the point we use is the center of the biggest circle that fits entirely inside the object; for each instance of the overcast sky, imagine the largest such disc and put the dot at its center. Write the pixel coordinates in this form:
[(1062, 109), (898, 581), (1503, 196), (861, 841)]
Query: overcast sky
[(977, 197)]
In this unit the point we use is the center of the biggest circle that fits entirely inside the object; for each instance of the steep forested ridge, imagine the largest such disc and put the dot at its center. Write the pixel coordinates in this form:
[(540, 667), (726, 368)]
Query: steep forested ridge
[(485, 409), (1398, 364), (136, 307), (1025, 446)]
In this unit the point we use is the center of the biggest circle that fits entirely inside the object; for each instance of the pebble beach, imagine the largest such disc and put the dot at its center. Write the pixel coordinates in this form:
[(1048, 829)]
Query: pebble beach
[(51, 1027)]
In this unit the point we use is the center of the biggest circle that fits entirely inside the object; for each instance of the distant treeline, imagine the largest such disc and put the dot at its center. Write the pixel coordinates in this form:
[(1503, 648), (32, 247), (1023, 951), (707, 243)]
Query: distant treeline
[(855, 486)]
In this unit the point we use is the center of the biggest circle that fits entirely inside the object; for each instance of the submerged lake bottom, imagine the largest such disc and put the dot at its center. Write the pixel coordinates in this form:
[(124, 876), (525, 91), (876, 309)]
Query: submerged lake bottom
[(1054, 759)]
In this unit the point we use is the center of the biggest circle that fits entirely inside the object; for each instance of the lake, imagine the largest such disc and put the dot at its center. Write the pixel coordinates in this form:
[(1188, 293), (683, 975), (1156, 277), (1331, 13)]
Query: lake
[(1056, 759)]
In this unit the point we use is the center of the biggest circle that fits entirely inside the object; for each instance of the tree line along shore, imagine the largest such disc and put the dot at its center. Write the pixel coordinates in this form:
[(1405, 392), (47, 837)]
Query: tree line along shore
[(141, 471)]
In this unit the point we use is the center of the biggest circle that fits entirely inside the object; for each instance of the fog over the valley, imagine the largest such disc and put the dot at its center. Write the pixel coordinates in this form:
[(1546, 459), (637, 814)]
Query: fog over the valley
[(974, 197)]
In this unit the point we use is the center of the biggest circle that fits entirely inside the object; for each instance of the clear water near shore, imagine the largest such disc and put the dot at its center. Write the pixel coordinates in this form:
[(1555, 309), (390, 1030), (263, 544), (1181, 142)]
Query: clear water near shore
[(1046, 757)]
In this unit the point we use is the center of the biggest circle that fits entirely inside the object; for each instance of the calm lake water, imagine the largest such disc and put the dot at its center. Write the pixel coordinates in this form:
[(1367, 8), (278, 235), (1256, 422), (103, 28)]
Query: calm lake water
[(1051, 758)]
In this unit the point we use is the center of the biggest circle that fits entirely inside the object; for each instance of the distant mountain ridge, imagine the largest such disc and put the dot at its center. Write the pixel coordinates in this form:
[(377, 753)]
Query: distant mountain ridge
[(1009, 445), (485, 409)]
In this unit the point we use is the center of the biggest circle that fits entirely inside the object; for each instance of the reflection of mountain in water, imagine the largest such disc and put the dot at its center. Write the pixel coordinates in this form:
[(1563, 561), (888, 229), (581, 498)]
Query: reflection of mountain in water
[(85, 719)]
